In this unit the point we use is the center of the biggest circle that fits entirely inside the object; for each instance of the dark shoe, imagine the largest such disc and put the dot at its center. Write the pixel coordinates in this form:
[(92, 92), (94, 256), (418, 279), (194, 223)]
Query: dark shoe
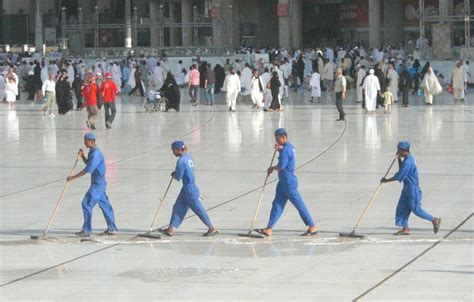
[(262, 232), (195, 104), (340, 119), (210, 234), (230, 108), (82, 234), (165, 232), (401, 232), (93, 127), (88, 124), (108, 125), (107, 233), (436, 224), (309, 234)]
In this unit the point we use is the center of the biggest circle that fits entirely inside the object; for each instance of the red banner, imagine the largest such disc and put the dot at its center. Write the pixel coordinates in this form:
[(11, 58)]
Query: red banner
[(282, 10)]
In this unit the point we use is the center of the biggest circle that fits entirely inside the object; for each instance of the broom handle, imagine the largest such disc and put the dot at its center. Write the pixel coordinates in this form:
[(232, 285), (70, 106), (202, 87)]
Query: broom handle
[(373, 196), (261, 194), (60, 199), (161, 204)]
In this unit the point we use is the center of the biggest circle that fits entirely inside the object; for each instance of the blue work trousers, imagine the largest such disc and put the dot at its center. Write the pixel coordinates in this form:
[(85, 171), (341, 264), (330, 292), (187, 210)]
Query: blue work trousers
[(92, 197), (410, 201), (188, 198), (285, 191)]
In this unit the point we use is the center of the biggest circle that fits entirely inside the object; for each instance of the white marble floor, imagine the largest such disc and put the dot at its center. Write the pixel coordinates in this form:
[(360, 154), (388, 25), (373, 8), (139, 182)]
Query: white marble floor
[(339, 167)]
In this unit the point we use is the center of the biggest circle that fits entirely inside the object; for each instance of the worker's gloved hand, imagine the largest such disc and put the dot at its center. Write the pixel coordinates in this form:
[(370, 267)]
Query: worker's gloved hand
[(173, 174), (278, 147), (80, 153), (383, 180), (69, 178)]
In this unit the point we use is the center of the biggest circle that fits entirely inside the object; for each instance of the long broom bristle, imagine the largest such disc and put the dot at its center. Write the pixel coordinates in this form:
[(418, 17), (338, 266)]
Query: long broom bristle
[(352, 235), (251, 235)]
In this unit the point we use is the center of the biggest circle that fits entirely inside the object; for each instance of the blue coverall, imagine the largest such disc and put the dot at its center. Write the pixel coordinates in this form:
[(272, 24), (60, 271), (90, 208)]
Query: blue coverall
[(189, 195), (96, 193), (287, 188), (410, 199)]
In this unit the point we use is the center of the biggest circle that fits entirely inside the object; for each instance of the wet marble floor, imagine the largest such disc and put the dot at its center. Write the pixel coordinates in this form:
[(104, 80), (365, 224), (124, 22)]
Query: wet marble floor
[(339, 166)]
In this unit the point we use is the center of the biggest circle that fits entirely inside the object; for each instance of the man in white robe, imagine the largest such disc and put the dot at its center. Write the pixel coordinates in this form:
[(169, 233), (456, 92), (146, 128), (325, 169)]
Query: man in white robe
[(117, 76), (371, 89), (232, 88), (360, 76), (315, 83), (458, 80), (70, 73), (392, 76), (267, 95), (246, 80)]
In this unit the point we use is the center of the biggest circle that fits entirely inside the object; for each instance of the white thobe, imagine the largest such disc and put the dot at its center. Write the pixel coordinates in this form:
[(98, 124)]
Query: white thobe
[(70, 74), (246, 80), (232, 88), (360, 76), (392, 75), (315, 83), (372, 87), (267, 96), (117, 76), (256, 93)]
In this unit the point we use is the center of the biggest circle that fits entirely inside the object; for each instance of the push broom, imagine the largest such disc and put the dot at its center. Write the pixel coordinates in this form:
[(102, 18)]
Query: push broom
[(353, 234), (149, 233), (45, 233), (250, 232)]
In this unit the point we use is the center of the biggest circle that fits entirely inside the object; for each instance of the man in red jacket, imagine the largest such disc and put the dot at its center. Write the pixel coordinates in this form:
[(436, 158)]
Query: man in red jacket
[(90, 95), (108, 89)]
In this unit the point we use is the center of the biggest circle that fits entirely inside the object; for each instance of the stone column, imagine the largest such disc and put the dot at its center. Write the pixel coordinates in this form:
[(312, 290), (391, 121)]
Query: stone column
[(284, 25), (187, 19), (446, 8), (154, 20), (128, 24), (38, 27), (174, 31), (392, 23), (374, 23), (218, 8), (297, 23)]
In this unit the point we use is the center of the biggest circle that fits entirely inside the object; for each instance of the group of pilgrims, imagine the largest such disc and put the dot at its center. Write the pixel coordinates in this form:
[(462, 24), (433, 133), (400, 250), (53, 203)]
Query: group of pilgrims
[(379, 75)]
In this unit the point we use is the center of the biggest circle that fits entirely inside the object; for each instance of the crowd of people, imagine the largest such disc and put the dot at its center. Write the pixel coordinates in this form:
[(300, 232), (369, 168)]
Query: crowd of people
[(380, 77)]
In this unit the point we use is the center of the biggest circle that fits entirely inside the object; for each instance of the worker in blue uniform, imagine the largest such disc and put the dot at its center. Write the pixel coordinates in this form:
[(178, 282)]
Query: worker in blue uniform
[(189, 196), (95, 166), (410, 199), (287, 187)]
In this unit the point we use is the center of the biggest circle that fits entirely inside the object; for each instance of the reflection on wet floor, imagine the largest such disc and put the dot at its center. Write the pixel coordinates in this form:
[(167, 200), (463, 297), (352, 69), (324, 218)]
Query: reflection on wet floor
[(338, 167)]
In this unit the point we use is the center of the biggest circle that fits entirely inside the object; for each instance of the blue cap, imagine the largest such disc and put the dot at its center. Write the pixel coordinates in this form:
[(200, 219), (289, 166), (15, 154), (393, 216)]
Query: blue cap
[(89, 136), (280, 132), (403, 145), (177, 145)]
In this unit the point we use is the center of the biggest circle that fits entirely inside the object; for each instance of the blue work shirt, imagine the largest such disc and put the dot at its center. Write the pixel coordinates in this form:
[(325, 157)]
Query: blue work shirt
[(185, 170), (408, 173), (96, 167), (286, 164)]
